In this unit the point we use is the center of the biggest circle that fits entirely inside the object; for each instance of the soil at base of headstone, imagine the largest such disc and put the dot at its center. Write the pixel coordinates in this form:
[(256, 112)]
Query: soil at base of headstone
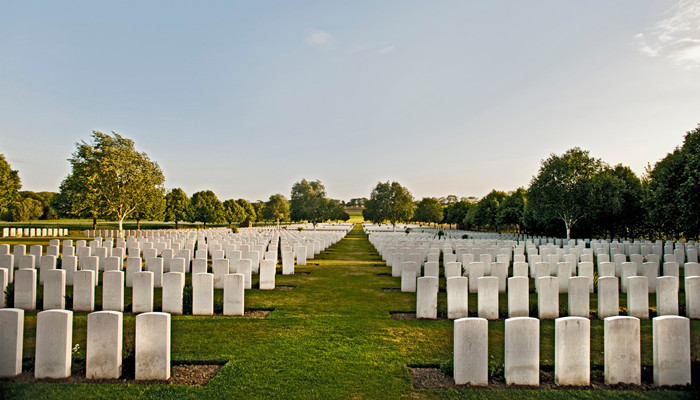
[(391, 289), (182, 374), (407, 316), (282, 287), (302, 273), (434, 378)]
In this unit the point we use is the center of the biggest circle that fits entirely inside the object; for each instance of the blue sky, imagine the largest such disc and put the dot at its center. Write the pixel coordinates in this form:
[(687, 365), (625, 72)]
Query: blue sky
[(446, 97)]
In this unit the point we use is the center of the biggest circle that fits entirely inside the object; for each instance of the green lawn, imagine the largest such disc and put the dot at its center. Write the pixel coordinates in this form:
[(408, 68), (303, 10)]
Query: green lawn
[(332, 337)]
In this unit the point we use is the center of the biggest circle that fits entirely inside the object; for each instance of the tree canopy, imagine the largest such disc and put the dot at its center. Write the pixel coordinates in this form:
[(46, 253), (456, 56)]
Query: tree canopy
[(309, 202), (206, 208), (510, 210), (177, 206), (9, 186), (110, 178), (389, 201), (233, 212), (276, 208), (249, 210), (429, 210)]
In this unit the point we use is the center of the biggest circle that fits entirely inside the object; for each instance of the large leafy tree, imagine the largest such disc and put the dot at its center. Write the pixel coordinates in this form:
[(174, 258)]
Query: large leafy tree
[(456, 212), (151, 210), (276, 208), (486, 211), (9, 186), (110, 178), (250, 214), (336, 211), (389, 201), (26, 209), (206, 208), (309, 202), (674, 190), (510, 210), (429, 210), (233, 212), (177, 206)]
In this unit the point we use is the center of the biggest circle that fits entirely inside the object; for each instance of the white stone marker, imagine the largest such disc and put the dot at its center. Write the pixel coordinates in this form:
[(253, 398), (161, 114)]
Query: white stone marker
[(234, 298), (457, 297), (54, 289), (8, 264), (18, 250), (25, 289), (396, 260), (46, 263), (606, 269), (426, 297), (155, 265), (202, 294), (199, 266), (153, 345), (522, 351), (287, 263), (432, 268), (579, 296), (563, 273), (84, 291), (11, 337), (671, 350), (409, 274), (103, 359), (608, 297), (3, 286), (26, 261), (300, 253), (268, 270), (113, 291), (453, 269), (585, 269), (245, 267), (220, 268), (627, 269), (142, 293), (471, 349), (548, 297), (487, 298), (133, 265), (622, 351), (638, 297), (518, 296), (173, 283), (520, 269), (541, 270), (691, 269), (177, 264), (572, 351), (667, 296), (500, 271), (692, 296), (54, 337), (476, 271)]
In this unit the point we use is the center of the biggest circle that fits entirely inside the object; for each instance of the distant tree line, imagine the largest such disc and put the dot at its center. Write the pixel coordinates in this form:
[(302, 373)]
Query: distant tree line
[(572, 195)]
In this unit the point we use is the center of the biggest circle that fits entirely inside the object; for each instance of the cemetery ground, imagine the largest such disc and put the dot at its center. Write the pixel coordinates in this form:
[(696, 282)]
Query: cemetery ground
[(334, 336)]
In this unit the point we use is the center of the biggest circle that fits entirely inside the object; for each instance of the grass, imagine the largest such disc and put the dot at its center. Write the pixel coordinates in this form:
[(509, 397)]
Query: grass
[(332, 337)]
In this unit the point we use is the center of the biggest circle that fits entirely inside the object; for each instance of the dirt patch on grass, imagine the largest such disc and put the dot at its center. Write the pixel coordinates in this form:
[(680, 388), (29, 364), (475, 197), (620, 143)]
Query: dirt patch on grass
[(302, 273), (285, 287), (258, 312), (406, 316), (183, 374), (391, 289), (435, 378)]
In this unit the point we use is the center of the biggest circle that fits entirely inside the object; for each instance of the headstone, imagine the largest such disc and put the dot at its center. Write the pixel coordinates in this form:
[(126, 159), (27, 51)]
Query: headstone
[(25, 289), (608, 297), (113, 291), (244, 266), (155, 265), (153, 346), (133, 265), (522, 351), (220, 268), (54, 290), (692, 296), (518, 296), (457, 297), (70, 265), (54, 342), (622, 351), (638, 297), (487, 298), (203, 294), (572, 351), (142, 293), (667, 296), (234, 298), (671, 350), (173, 283), (432, 268), (409, 274), (548, 297), (426, 297), (471, 351), (476, 271), (579, 297), (103, 359), (11, 337), (500, 271), (287, 263)]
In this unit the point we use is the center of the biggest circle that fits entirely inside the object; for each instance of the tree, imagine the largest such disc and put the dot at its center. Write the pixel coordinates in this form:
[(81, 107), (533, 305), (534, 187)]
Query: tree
[(308, 202), (276, 208), (564, 188), (177, 206), (233, 212), (250, 214), (429, 210), (26, 209), (510, 210), (486, 211), (455, 213), (206, 208), (356, 202), (152, 209), (673, 190), (335, 211), (110, 178), (9, 185), (389, 202)]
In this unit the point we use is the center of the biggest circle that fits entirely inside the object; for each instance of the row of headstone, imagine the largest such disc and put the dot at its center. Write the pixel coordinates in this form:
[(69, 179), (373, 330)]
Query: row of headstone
[(54, 336), (426, 289), (671, 351), (34, 232)]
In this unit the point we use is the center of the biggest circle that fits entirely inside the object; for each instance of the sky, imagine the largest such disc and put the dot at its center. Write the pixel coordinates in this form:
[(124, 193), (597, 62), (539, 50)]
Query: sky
[(446, 97)]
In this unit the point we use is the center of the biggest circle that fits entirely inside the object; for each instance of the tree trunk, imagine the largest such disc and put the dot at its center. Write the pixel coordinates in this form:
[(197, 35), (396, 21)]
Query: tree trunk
[(121, 227), (205, 224), (176, 225), (94, 223), (138, 223)]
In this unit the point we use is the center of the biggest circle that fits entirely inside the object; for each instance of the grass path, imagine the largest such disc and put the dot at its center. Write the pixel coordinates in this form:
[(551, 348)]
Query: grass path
[(331, 337)]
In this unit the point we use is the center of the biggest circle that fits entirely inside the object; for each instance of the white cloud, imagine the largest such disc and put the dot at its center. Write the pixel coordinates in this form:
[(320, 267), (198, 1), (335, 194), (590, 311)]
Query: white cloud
[(386, 50), (676, 37), (317, 37), (381, 48)]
